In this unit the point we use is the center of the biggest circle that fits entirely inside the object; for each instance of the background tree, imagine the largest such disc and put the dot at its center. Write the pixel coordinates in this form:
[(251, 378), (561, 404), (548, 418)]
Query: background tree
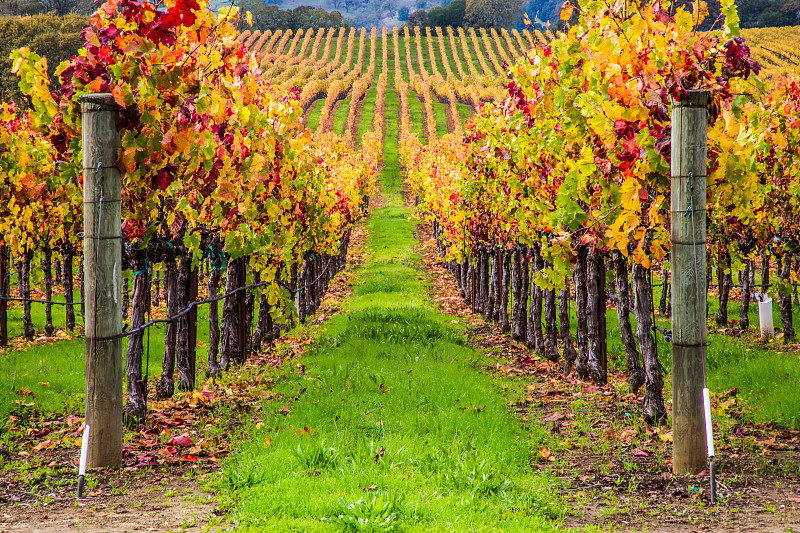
[(451, 14), (20, 7), (310, 17), (493, 13), (59, 7), (54, 37), (417, 18)]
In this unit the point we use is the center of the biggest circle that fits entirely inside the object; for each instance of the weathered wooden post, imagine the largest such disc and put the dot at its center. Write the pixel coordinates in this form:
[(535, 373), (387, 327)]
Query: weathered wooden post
[(103, 277), (688, 219)]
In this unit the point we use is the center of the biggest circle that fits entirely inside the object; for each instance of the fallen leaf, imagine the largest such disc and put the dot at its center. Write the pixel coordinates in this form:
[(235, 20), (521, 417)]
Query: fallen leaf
[(44, 445), (641, 453), (182, 440), (545, 453)]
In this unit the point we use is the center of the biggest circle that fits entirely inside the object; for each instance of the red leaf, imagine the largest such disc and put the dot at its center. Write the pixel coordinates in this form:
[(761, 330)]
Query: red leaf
[(190, 458), (183, 440), (641, 453)]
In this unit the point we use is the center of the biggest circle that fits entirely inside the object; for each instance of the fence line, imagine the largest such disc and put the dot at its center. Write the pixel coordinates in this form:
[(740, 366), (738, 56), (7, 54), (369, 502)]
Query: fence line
[(189, 306)]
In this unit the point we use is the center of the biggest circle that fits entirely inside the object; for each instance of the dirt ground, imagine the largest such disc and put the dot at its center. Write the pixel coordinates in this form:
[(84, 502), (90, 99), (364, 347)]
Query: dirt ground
[(153, 501)]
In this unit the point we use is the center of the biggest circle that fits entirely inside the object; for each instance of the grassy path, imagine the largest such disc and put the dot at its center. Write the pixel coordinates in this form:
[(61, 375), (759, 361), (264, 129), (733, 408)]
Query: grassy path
[(392, 427)]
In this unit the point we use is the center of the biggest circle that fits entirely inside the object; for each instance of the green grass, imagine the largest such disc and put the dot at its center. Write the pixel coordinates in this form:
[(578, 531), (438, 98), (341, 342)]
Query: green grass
[(312, 120), (409, 417), (464, 112), (769, 379), (397, 429), (340, 115), (416, 110), (440, 114)]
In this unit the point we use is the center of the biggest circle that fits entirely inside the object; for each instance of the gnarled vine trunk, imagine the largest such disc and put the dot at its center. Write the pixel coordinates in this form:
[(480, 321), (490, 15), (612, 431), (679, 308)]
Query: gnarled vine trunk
[(635, 373), (125, 298), (664, 309), (47, 270), (581, 297), (135, 410), (724, 282), (230, 324), (550, 325), (25, 283), (67, 281), (185, 353), (595, 311), (786, 302), (563, 314), (505, 281), (534, 333), (654, 408), (491, 286), (157, 289), (214, 278), (165, 387), (744, 310), (519, 280), (57, 270), (304, 287)]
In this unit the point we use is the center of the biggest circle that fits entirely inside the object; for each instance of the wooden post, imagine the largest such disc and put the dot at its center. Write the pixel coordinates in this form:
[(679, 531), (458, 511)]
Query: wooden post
[(688, 220), (4, 291), (103, 279)]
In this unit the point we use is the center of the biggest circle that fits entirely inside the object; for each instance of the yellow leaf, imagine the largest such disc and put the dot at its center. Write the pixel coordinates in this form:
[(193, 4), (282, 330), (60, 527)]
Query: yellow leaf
[(566, 11)]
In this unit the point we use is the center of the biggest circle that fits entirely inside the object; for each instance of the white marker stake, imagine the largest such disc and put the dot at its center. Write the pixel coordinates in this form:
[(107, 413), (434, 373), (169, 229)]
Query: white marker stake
[(709, 427), (84, 455), (710, 445)]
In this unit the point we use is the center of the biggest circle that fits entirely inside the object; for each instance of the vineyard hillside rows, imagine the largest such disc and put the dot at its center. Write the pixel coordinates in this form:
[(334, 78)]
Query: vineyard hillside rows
[(449, 72)]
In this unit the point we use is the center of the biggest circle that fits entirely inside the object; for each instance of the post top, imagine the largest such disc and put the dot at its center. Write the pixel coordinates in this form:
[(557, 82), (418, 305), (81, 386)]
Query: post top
[(693, 98), (98, 98)]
